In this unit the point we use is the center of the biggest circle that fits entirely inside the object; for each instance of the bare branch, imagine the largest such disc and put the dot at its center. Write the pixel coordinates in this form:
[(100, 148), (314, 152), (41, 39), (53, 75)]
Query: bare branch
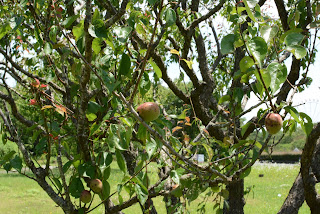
[(195, 23)]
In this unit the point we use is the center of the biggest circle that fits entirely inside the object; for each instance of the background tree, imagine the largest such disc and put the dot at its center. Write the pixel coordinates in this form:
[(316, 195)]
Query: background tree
[(81, 68)]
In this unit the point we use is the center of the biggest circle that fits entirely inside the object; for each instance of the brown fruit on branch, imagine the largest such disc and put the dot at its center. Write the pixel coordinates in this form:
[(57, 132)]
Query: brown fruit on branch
[(96, 185), (273, 123), (149, 111), (85, 196)]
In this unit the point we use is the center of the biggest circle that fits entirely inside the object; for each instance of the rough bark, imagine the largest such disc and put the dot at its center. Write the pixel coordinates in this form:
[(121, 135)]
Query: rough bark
[(235, 201), (296, 197), (309, 180)]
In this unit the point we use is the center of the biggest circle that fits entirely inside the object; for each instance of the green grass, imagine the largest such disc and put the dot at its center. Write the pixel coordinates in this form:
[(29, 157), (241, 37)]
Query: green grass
[(19, 194)]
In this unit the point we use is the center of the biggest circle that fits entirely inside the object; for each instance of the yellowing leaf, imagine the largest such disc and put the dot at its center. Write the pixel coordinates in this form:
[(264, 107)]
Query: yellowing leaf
[(176, 128), (61, 110), (189, 63), (174, 51), (46, 107), (188, 124), (186, 138)]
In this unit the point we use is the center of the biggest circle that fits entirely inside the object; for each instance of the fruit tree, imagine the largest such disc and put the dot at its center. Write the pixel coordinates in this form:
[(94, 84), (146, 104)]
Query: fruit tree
[(81, 86)]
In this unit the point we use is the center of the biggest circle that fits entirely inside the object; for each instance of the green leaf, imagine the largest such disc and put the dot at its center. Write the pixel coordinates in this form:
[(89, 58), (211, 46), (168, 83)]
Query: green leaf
[(91, 117), (175, 177), (121, 162), (245, 173), (209, 151), (156, 69), (7, 157), (78, 31), (109, 81), (293, 39), (152, 2), (16, 163), (4, 30), (93, 107), (244, 128), (265, 76), (125, 65), (258, 48), (170, 17), (151, 147), (298, 51), (96, 45), (142, 194), (47, 48), (58, 183), (68, 22), (122, 33), (252, 3), (106, 173), (246, 63), (98, 29), (66, 166), (87, 169), (76, 187), (248, 4), (278, 74), (306, 123), (108, 159), (105, 190), (293, 112), (117, 135), (268, 33), (142, 133), (227, 44), (53, 33), (225, 98)]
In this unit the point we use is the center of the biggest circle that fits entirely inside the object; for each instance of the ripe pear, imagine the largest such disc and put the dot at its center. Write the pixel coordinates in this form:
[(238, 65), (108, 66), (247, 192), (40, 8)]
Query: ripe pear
[(85, 196), (96, 185), (273, 123), (149, 111)]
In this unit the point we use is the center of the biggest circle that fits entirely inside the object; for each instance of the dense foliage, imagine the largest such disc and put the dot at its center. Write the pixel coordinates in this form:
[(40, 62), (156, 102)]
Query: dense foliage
[(82, 67)]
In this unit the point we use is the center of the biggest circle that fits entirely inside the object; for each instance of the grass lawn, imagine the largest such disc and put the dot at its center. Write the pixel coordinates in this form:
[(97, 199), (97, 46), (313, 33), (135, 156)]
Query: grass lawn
[(19, 194)]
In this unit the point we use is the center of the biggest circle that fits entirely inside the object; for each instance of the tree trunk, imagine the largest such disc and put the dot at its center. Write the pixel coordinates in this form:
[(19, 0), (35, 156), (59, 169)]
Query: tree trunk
[(294, 199), (296, 196), (235, 202)]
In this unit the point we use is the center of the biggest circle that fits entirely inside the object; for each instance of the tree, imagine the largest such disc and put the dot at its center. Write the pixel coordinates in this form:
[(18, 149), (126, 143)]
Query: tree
[(84, 67)]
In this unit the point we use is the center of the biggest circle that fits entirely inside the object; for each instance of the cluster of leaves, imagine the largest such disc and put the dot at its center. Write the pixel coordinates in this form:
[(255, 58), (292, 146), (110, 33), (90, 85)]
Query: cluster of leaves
[(92, 63)]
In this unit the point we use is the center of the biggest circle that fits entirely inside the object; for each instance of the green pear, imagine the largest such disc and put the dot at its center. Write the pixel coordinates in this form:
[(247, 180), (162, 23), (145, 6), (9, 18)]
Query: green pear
[(85, 196), (96, 185)]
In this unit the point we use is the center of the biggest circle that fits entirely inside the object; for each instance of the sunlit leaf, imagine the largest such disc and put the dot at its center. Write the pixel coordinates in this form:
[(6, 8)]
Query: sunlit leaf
[(227, 44), (173, 51), (258, 48), (170, 16)]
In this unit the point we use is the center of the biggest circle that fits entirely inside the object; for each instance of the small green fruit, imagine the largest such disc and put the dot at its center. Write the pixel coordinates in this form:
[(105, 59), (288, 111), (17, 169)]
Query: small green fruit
[(85, 196), (149, 111), (273, 123), (96, 185)]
